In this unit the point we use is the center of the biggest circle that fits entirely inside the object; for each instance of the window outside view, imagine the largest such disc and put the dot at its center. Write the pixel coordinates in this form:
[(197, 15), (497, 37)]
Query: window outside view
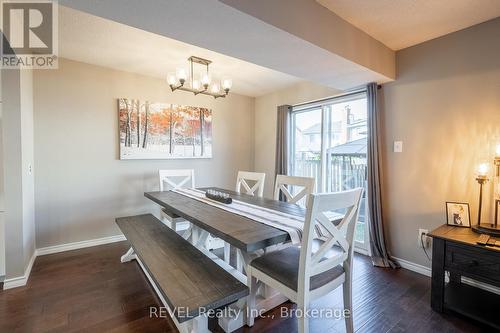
[(329, 143)]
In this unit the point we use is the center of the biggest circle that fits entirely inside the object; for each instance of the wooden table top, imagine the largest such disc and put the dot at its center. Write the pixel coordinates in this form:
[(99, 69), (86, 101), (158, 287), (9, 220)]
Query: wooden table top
[(241, 232), (461, 235)]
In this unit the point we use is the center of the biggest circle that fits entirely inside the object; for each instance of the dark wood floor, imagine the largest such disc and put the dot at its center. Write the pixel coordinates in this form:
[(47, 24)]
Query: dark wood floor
[(89, 290)]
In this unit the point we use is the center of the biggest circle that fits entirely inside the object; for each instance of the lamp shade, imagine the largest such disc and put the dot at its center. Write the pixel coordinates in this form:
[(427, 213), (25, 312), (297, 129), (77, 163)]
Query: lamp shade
[(227, 84), (181, 74), (171, 79), (205, 79), (482, 169)]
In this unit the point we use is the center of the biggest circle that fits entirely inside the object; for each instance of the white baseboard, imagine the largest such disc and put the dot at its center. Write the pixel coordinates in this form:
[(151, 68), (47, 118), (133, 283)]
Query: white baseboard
[(78, 245), (20, 280), (411, 266)]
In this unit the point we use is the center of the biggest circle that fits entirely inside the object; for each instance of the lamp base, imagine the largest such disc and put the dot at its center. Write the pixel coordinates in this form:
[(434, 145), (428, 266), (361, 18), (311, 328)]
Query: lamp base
[(487, 228)]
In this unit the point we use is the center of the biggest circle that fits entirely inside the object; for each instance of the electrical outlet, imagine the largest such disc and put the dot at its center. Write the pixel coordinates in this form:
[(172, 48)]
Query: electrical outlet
[(425, 239)]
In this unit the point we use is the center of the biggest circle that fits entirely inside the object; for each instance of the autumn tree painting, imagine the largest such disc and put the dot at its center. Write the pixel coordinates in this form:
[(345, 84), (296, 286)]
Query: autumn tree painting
[(162, 131)]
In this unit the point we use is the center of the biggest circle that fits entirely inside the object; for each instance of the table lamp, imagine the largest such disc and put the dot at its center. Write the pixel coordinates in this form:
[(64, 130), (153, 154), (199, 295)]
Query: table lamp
[(482, 177)]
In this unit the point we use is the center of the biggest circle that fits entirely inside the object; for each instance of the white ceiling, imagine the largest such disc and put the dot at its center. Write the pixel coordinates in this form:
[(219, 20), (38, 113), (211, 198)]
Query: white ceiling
[(94, 40), (403, 23)]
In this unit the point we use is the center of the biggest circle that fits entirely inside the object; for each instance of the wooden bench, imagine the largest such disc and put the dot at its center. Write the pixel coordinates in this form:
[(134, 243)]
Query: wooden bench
[(185, 279)]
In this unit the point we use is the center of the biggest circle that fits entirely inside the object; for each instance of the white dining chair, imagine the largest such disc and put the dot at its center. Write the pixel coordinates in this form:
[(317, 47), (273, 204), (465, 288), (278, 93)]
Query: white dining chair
[(171, 180), (245, 176), (316, 268), (176, 178), (284, 183), (256, 190), (183, 178)]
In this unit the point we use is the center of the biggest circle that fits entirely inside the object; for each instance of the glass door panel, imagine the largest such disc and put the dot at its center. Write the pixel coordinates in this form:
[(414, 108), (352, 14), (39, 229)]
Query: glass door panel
[(346, 159), (306, 146), (329, 143)]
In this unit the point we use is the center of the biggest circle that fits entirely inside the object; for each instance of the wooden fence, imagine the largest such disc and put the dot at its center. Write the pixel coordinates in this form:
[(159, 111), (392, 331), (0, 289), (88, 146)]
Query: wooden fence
[(342, 173)]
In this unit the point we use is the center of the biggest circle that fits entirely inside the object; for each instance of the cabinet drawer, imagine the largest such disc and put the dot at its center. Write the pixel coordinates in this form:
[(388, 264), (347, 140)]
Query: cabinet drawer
[(474, 261)]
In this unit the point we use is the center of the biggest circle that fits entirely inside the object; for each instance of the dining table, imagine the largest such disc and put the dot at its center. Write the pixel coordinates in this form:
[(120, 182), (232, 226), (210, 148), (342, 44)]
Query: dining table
[(248, 236)]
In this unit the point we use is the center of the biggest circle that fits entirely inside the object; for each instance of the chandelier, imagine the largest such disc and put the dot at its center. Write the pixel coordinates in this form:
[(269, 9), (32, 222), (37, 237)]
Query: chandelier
[(203, 85)]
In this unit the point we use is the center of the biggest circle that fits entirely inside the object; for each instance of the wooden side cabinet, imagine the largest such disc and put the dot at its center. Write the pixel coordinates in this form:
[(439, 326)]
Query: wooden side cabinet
[(455, 250)]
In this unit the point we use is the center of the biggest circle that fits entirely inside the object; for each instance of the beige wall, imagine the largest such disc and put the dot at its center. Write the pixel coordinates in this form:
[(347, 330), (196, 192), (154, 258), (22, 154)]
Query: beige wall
[(81, 186), (265, 123), (445, 106)]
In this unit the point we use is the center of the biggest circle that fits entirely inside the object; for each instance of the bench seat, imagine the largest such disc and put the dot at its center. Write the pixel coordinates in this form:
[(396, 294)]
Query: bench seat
[(187, 279)]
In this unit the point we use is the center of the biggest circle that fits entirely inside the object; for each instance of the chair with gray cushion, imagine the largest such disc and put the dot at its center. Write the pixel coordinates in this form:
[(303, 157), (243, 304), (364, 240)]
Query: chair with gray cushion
[(319, 266)]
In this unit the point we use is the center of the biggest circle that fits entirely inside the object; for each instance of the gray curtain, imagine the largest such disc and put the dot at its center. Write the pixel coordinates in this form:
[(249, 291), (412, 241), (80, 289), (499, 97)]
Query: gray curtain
[(281, 166), (380, 256)]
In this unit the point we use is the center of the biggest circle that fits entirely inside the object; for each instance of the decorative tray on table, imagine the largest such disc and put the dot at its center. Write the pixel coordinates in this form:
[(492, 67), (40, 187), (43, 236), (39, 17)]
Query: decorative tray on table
[(219, 196)]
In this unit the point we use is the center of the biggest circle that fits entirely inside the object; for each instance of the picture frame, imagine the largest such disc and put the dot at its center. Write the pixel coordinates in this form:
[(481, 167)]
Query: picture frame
[(458, 214), (156, 130)]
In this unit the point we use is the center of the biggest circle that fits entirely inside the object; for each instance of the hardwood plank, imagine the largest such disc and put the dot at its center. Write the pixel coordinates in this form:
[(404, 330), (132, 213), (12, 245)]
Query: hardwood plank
[(187, 278), (239, 231), (64, 284)]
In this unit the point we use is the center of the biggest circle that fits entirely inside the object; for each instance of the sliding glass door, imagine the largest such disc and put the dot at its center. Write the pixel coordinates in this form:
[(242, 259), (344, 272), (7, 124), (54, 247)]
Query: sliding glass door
[(329, 143), (306, 144)]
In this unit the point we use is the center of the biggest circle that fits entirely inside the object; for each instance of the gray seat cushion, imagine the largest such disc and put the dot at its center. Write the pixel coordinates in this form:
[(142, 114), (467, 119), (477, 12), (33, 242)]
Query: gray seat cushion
[(283, 266)]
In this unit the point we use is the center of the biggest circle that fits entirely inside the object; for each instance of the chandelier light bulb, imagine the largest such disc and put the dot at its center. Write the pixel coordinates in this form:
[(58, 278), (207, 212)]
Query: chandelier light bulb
[(498, 150), (181, 74), (205, 80), (482, 169), (227, 84), (171, 79)]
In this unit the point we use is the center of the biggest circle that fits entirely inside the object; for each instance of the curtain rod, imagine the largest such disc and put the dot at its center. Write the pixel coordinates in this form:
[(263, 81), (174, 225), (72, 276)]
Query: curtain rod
[(353, 92)]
